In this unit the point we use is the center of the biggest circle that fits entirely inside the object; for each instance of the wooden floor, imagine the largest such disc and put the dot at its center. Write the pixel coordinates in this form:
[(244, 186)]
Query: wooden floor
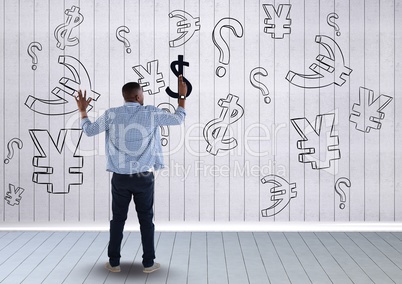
[(213, 257)]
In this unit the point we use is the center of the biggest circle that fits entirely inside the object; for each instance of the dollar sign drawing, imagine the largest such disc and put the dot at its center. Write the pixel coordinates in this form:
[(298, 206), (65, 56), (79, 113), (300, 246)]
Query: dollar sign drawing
[(177, 68), (216, 131), (63, 32)]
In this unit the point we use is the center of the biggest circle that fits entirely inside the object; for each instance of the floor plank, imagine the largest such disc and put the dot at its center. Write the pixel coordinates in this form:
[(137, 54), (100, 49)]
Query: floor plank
[(216, 259), (271, 260), (178, 269), (198, 259), (343, 259), (369, 266), (310, 262), (236, 268)]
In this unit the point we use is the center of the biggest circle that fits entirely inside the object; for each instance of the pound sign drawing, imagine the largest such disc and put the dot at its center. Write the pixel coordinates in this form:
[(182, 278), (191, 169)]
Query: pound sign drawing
[(216, 131), (63, 32), (177, 68)]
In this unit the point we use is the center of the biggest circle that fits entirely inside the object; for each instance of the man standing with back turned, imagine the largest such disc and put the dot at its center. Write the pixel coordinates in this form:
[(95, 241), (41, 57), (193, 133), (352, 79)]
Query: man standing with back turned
[(133, 151)]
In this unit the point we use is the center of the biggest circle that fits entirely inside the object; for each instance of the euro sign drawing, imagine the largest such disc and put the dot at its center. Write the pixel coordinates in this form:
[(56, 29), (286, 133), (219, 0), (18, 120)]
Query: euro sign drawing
[(13, 196), (65, 102), (55, 167), (281, 194), (368, 112), (278, 21), (186, 27), (330, 69), (319, 143), (63, 32), (216, 132)]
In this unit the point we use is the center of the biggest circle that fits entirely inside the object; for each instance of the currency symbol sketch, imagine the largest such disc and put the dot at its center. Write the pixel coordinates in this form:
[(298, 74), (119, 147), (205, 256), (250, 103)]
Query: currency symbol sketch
[(13, 195), (177, 68), (63, 171), (281, 194), (217, 131), (150, 79), (186, 27), (65, 102), (330, 69), (319, 143), (368, 112), (278, 21), (63, 32)]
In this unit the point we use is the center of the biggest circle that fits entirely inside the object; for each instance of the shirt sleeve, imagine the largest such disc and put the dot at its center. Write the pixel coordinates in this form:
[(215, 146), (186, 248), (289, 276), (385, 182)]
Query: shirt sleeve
[(94, 128), (163, 117)]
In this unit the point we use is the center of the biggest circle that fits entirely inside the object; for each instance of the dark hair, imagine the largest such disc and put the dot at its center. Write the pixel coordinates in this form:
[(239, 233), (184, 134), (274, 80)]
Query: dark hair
[(129, 89)]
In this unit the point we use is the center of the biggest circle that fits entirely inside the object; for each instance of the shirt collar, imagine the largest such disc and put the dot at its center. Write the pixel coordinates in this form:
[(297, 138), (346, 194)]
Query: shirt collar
[(131, 104)]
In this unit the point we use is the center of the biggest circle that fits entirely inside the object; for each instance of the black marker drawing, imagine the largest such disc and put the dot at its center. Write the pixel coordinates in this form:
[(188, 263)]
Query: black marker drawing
[(63, 32), (216, 132), (367, 114), (65, 102), (224, 53), (281, 194), (330, 69), (57, 175), (165, 129), (278, 21), (257, 84), (32, 54), (178, 70), (343, 181), (150, 79), (122, 38), (10, 148), (186, 27), (13, 195), (331, 22), (319, 143)]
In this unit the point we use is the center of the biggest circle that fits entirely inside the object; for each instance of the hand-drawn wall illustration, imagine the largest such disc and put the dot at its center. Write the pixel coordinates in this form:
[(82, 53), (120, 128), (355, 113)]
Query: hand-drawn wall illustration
[(10, 148), (368, 112), (65, 102), (63, 31), (217, 131), (186, 27), (258, 84), (150, 79), (177, 68), (331, 22), (32, 53), (13, 195), (281, 193), (342, 182), (164, 128), (224, 52), (330, 69), (58, 175), (278, 20), (122, 38), (319, 144)]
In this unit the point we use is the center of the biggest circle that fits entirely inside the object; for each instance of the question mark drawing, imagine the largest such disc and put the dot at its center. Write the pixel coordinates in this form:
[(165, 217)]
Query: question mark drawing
[(331, 22), (338, 188), (32, 54), (122, 38), (10, 148), (257, 84), (164, 128), (224, 52)]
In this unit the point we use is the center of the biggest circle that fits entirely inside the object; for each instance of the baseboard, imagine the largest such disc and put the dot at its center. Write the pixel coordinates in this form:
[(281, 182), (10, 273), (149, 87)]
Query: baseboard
[(218, 227)]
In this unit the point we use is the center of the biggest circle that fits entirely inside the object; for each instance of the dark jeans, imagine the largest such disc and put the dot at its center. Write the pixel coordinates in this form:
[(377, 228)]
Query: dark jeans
[(140, 187)]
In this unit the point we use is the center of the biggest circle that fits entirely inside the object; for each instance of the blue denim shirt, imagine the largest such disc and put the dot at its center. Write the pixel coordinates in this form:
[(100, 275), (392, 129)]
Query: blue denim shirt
[(133, 136)]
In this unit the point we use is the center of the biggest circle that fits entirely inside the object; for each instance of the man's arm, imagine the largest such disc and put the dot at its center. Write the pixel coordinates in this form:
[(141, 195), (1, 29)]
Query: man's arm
[(82, 103)]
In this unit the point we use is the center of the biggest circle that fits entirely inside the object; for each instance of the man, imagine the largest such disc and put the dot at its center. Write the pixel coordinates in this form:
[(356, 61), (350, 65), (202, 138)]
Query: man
[(133, 151)]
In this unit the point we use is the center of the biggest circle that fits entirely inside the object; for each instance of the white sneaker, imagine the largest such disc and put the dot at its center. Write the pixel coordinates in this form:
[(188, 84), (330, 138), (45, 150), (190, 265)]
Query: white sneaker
[(152, 268), (112, 268)]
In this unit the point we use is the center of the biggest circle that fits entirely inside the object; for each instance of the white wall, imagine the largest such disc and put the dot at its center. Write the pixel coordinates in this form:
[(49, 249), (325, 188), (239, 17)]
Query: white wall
[(356, 144)]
